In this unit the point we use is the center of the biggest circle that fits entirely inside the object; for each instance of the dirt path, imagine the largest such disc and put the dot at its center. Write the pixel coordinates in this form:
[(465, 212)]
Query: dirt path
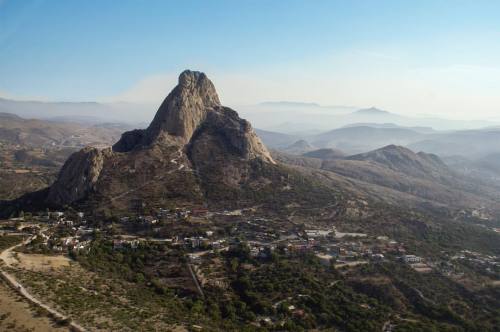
[(16, 314), (7, 257), (195, 280)]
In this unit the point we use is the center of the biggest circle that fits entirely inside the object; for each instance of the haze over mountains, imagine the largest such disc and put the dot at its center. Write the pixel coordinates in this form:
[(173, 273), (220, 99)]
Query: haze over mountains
[(337, 168), (195, 150), (198, 168), (83, 112), (472, 152), (218, 157)]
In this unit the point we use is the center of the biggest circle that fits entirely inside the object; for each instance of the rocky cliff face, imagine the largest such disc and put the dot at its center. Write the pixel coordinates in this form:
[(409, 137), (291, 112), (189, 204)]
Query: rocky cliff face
[(192, 139), (180, 114), (78, 176), (185, 108)]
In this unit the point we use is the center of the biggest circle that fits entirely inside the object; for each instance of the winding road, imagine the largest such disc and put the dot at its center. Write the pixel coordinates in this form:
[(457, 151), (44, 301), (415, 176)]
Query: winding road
[(7, 257)]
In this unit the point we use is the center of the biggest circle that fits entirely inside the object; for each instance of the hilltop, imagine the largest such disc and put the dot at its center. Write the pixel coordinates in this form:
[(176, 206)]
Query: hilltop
[(195, 151)]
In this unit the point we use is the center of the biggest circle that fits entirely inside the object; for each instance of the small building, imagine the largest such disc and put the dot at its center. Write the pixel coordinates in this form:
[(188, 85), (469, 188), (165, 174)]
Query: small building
[(194, 242), (410, 259), (68, 223), (315, 233)]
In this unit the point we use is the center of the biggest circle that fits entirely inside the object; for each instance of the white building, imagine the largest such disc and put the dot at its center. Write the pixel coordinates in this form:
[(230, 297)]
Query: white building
[(411, 259)]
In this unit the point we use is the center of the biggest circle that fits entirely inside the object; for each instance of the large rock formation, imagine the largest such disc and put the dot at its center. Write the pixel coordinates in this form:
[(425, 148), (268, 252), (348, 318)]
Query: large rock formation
[(192, 143), (78, 176)]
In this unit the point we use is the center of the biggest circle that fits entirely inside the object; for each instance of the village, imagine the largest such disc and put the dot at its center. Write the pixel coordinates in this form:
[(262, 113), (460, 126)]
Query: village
[(202, 238), (199, 231)]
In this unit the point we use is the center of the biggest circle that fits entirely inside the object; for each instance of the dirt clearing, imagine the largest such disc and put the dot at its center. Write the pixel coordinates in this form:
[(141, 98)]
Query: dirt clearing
[(37, 262)]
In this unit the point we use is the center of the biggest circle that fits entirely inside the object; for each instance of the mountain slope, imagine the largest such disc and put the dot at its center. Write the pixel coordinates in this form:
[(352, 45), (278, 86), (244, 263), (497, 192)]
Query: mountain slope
[(400, 159), (325, 154), (275, 140), (364, 138), (419, 174), (195, 151), (299, 147), (467, 143), (51, 134)]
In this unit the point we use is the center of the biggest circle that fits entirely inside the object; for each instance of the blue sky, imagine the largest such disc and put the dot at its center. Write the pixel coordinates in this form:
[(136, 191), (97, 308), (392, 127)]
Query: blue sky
[(440, 57)]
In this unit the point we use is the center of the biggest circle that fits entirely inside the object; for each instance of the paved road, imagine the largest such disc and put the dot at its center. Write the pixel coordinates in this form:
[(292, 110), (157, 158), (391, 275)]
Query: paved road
[(7, 257)]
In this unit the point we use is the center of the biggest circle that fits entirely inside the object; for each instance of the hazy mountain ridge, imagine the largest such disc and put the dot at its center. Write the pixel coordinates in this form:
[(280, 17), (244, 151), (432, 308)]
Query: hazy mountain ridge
[(425, 177), (83, 112), (325, 153), (42, 133), (195, 151), (352, 139)]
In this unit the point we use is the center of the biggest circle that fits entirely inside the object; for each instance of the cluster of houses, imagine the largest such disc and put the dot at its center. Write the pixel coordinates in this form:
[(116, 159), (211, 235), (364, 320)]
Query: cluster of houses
[(71, 243), (489, 262), (78, 240), (183, 214), (119, 244), (261, 234)]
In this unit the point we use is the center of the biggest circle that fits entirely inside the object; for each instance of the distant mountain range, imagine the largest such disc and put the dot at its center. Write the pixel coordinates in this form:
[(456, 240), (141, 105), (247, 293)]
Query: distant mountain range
[(418, 177), (373, 147), (56, 134), (293, 118), (83, 112), (359, 138)]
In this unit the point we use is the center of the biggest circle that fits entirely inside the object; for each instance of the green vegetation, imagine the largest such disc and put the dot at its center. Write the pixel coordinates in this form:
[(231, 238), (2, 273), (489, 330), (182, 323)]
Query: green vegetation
[(438, 302), (7, 241)]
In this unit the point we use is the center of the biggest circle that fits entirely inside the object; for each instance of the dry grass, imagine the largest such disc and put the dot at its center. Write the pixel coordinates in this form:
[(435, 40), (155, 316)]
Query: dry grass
[(18, 315), (36, 262)]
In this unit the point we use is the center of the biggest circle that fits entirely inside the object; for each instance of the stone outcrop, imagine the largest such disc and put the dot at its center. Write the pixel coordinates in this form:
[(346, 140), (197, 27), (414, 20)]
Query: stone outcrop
[(191, 133), (180, 114), (78, 176), (185, 108)]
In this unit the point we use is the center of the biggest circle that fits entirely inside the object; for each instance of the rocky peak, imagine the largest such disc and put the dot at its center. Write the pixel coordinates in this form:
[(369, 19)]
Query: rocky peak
[(192, 108), (185, 108)]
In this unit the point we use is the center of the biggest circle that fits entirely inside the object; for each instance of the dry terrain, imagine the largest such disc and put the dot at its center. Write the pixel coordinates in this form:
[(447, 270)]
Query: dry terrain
[(18, 315), (36, 262)]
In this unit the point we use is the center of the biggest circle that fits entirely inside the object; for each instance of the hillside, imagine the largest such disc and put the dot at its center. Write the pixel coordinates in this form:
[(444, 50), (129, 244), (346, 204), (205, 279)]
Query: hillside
[(325, 154), (423, 176), (53, 134), (472, 144), (195, 151), (299, 147), (400, 159), (364, 138), (275, 140)]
